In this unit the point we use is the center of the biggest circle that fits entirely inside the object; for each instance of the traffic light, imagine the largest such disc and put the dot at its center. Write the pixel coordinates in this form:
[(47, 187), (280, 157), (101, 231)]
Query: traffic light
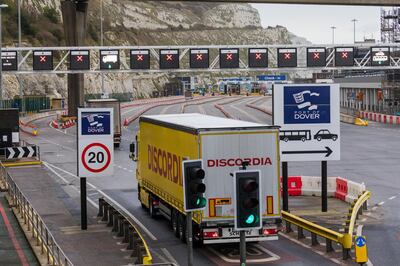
[(247, 189), (193, 185)]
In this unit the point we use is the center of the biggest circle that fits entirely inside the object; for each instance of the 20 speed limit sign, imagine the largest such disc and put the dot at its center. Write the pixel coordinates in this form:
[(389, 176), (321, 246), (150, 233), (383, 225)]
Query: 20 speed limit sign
[(95, 142), (96, 157)]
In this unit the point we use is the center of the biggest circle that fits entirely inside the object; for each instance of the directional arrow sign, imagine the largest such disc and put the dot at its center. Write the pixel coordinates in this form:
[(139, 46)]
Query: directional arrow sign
[(327, 152), (309, 120)]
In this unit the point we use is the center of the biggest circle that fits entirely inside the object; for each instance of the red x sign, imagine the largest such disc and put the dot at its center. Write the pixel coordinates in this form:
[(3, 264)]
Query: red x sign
[(199, 57), (287, 56), (229, 56), (345, 55), (169, 57), (79, 58), (43, 58), (316, 55), (139, 57), (258, 56)]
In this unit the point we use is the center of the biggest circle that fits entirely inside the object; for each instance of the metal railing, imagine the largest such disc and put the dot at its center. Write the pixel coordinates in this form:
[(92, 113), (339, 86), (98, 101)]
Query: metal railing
[(345, 240), (34, 223), (123, 226)]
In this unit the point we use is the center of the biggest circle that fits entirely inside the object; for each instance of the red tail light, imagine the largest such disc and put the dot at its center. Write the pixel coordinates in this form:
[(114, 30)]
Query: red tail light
[(210, 234), (268, 232)]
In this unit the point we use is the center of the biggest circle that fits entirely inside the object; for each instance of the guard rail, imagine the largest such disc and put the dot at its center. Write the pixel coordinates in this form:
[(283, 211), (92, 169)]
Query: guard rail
[(124, 227), (30, 217)]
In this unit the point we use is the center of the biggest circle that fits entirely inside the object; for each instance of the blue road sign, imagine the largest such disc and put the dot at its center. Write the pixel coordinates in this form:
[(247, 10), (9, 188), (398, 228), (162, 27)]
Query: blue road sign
[(361, 241), (307, 105), (96, 123), (271, 77)]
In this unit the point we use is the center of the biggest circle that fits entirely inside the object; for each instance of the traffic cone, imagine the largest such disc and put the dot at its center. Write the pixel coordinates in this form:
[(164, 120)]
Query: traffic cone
[(126, 122)]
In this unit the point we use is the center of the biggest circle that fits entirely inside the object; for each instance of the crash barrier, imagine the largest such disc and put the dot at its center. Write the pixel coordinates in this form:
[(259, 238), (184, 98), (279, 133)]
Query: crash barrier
[(359, 204), (123, 226), (316, 230), (27, 126), (32, 220), (150, 100), (338, 187), (264, 110), (199, 101), (347, 118), (175, 100), (221, 108), (381, 118)]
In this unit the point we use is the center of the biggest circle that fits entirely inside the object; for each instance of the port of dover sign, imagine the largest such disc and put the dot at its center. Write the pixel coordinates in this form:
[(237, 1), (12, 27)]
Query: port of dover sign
[(309, 117), (95, 142)]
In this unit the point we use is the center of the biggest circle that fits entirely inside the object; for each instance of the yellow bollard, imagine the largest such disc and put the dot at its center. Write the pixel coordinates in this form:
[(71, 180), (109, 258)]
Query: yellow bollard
[(360, 244)]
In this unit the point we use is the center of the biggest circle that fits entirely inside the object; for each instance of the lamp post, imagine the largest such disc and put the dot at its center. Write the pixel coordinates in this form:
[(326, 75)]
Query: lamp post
[(21, 93), (101, 42), (333, 34), (1, 55), (354, 29)]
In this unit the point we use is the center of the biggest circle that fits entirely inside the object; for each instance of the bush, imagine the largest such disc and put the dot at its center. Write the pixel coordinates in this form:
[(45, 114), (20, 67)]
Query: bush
[(52, 14)]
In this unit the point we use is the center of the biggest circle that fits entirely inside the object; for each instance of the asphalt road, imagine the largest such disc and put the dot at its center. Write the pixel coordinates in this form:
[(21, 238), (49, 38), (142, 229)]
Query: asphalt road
[(368, 154)]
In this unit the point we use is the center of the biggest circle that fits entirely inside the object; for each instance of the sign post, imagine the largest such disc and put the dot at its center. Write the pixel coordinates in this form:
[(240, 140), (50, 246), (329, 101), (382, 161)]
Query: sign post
[(309, 116), (95, 148)]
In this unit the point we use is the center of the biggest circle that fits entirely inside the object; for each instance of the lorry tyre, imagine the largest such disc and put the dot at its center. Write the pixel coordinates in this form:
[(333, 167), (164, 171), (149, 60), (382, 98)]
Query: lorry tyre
[(182, 228), (175, 222)]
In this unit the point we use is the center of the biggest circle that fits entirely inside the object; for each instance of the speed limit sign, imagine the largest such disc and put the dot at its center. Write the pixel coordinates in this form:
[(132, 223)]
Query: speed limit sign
[(95, 138)]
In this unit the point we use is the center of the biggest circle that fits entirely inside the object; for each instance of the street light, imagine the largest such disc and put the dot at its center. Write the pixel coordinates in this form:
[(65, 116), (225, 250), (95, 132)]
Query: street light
[(333, 34), (101, 42), (21, 93), (354, 29), (1, 57)]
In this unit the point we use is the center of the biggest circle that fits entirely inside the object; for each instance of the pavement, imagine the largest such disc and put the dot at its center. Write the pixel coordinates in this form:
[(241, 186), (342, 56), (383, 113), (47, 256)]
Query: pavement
[(14, 248), (362, 161), (61, 214)]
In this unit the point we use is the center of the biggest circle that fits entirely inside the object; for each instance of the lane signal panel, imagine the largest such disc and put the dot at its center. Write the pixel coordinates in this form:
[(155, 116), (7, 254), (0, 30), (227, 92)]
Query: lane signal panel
[(316, 57), (140, 59), (229, 58), (287, 57), (169, 58), (199, 58), (258, 57), (42, 60), (79, 60)]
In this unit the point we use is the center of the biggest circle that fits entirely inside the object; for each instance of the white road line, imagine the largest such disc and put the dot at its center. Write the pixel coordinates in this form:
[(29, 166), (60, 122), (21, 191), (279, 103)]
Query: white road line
[(169, 256), (392, 197), (309, 247), (147, 231), (381, 203), (55, 143), (374, 208)]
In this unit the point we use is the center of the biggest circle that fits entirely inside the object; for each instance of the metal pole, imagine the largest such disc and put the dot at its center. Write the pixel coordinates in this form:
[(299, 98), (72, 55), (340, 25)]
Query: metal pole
[(333, 34), (285, 194), (189, 238), (324, 186), (1, 65), (101, 41), (354, 29), (83, 204), (242, 248), (21, 93)]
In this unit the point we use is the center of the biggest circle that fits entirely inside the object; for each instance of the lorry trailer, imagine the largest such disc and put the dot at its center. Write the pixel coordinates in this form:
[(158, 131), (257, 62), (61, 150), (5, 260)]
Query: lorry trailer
[(164, 141)]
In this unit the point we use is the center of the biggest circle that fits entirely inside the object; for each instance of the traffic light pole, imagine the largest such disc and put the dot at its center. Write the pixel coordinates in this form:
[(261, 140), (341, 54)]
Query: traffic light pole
[(285, 194), (324, 186), (189, 238), (242, 248)]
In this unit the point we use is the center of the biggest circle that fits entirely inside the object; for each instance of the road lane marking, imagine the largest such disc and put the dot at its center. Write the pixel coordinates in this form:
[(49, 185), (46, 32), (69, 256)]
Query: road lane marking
[(169, 256), (309, 247), (273, 256), (381, 203), (392, 197), (147, 231)]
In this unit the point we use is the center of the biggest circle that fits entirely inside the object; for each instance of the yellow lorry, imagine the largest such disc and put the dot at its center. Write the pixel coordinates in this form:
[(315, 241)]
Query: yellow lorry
[(163, 141)]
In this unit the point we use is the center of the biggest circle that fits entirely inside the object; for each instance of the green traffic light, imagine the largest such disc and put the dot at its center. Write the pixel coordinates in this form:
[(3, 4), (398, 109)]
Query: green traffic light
[(250, 219), (200, 202)]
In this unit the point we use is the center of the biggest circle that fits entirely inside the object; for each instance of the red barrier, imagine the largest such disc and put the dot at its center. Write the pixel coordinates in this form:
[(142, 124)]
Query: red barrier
[(294, 185), (341, 189), (391, 120)]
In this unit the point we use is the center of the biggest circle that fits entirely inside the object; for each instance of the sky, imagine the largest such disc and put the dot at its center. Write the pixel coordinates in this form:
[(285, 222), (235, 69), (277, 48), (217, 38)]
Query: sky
[(314, 22)]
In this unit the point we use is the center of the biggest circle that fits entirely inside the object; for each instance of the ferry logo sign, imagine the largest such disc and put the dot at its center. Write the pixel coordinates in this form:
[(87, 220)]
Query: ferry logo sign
[(307, 105), (95, 123)]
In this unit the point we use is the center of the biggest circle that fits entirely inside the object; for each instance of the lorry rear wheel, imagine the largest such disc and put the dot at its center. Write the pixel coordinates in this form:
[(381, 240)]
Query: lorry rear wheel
[(182, 228), (175, 222)]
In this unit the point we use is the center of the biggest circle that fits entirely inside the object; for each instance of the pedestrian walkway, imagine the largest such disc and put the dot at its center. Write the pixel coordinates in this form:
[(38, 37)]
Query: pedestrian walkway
[(61, 213), (14, 248)]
